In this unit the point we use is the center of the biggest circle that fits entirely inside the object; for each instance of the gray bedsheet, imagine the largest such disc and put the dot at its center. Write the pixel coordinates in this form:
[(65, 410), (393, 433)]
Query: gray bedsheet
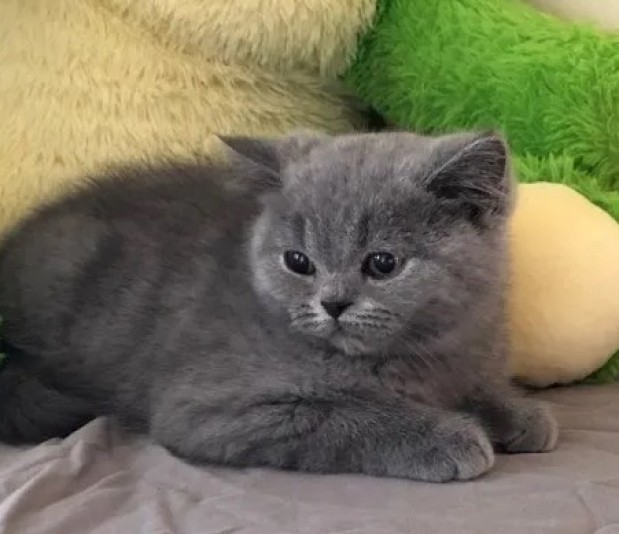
[(100, 481)]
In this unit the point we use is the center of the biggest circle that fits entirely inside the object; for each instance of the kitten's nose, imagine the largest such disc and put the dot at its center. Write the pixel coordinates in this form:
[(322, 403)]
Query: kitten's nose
[(335, 309)]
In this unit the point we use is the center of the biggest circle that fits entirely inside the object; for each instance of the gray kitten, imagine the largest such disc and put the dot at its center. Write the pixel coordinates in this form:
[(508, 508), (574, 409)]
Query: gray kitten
[(327, 304)]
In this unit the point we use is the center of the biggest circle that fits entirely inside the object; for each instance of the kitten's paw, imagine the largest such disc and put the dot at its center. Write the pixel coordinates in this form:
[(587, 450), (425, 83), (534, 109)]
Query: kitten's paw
[(534, 429), (463, 452)]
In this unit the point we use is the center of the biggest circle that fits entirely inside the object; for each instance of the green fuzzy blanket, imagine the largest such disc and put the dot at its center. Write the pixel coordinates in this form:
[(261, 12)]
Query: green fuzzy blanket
[(552, 87)]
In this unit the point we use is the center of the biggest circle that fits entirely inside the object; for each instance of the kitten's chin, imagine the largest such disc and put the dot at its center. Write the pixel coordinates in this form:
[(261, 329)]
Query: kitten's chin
[(351, 346)]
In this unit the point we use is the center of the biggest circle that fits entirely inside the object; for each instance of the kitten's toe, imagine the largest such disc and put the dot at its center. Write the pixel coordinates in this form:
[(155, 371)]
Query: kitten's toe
[(534, 430), (463, 454)]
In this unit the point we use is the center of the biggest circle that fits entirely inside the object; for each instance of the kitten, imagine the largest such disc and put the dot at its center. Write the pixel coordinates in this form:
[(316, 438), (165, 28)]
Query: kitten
[(327, 304)]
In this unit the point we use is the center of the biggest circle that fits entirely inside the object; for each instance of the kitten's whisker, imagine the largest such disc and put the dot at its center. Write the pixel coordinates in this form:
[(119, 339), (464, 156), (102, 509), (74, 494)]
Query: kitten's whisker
[(315, 325), (371, 317), (304, 315), (366, 325), (381, 311), (431, 360)]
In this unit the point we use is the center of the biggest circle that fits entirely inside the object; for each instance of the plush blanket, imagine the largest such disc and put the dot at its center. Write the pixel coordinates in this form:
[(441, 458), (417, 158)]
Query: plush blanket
[(100, 481), (89, 83)]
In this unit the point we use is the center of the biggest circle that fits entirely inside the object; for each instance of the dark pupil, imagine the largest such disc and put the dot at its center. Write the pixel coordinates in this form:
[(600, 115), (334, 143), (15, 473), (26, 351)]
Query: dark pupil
[(298, 262), (383, 263)]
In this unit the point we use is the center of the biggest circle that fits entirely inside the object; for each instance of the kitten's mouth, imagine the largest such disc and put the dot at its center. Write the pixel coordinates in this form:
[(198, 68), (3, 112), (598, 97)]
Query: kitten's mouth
[(344, 337), (347, 341)]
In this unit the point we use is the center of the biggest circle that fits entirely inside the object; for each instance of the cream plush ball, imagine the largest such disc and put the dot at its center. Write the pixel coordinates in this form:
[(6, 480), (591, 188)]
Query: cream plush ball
[(564, 293), (604, 13)]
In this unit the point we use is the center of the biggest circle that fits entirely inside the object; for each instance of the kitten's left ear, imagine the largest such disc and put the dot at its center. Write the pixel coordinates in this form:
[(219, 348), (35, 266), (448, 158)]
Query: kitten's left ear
[(473, 172)]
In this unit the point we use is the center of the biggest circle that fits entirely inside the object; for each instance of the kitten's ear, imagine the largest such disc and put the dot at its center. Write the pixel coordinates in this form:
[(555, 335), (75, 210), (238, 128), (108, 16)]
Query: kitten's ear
[(264, 158), (257, 157), (472, 172)]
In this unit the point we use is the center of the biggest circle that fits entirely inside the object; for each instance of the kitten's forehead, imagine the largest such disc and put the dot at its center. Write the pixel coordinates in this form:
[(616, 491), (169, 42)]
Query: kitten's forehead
[(344, 194), (358, 159), (356, 174)]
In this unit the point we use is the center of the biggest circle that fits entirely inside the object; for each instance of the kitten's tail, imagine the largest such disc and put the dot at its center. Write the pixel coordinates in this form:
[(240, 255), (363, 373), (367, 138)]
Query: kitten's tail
[(31, 411)]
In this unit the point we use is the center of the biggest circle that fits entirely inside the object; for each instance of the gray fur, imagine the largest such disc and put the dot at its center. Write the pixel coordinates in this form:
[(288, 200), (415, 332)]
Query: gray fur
[(160, 296)]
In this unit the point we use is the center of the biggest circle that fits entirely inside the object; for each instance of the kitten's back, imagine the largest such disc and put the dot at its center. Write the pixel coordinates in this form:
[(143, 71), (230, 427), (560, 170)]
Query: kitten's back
[(95, 276), (174, 208)]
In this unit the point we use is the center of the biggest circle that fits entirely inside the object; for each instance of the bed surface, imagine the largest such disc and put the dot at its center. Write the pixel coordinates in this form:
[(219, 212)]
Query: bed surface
[(99, 481)]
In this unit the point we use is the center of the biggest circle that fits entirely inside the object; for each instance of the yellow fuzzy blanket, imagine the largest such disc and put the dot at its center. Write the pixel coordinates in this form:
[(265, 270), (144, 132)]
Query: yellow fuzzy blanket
[(87, 83)]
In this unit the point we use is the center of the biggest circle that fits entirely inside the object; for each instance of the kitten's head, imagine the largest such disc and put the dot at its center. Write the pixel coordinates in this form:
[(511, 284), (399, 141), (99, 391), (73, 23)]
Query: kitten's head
[(368, 240)]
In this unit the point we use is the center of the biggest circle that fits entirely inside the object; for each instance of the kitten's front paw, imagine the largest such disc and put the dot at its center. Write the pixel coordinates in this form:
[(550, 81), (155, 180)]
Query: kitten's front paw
[(533, 429), (463, 452)]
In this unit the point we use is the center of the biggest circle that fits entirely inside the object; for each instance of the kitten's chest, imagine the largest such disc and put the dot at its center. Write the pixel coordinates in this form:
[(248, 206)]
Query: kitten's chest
[(429, 383)]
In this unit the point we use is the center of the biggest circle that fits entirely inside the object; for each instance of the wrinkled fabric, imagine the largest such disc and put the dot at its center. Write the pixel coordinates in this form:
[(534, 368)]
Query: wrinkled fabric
[(101, 481)]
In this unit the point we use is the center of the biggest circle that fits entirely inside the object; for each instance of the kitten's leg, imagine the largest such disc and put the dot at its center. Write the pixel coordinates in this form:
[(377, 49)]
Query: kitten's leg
[(516, 424), (343, 435)]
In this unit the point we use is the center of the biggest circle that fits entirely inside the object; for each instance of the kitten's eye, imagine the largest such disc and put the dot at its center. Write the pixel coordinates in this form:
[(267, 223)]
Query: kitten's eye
[(299, 263), (380, 265)]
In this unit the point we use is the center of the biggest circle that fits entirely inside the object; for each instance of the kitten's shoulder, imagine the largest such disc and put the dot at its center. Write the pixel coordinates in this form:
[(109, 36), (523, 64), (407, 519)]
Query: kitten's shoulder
[(152, 197), (157, 191)]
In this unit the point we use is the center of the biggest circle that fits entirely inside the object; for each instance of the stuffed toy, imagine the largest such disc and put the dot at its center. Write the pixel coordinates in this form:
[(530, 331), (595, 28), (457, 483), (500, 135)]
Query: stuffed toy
[(89, 84), (604, 13), (558, 238), (552, 87)]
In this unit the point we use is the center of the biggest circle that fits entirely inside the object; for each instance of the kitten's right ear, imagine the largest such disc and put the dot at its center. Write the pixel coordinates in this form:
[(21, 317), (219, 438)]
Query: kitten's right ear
[(263, 159), (258, 158)]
